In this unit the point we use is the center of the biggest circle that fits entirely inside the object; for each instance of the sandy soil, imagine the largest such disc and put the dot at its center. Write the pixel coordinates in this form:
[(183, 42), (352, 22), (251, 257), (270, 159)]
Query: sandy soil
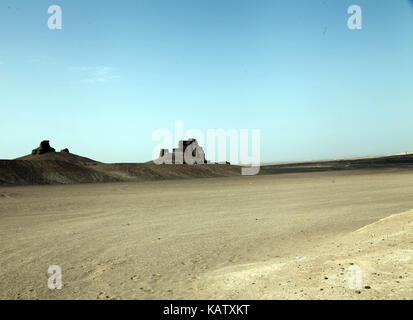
[(264, 237)]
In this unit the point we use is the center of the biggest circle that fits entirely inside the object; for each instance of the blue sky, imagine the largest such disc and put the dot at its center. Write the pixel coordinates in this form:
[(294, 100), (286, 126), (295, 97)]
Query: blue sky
[(119, 70)]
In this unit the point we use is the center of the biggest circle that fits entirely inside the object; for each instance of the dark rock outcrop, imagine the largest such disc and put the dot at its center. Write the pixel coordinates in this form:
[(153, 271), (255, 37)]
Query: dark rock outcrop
[(66, 150), (43, 148)]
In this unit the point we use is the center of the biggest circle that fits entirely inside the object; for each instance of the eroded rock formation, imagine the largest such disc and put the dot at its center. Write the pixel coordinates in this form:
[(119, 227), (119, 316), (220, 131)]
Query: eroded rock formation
[(188, 152), (43, 148)]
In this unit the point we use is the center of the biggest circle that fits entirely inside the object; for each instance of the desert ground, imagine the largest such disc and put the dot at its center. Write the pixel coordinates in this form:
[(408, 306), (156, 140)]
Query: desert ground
[(288, 236)]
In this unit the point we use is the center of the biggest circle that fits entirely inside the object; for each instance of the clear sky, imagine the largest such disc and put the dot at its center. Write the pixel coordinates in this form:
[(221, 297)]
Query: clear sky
[(119, 70)]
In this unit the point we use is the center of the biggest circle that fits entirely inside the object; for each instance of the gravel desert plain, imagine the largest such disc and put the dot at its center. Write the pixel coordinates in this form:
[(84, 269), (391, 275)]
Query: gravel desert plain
[(205, 232)]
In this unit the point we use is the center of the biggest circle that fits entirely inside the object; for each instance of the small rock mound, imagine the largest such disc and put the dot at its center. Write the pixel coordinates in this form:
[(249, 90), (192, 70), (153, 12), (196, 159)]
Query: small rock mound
[(66, 150), (43, 148)]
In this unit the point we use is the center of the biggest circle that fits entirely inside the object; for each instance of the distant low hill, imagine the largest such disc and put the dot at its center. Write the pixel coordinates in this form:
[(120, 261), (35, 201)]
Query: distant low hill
[(68, 168), (400, 161), (60, 156), (27, 172)]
